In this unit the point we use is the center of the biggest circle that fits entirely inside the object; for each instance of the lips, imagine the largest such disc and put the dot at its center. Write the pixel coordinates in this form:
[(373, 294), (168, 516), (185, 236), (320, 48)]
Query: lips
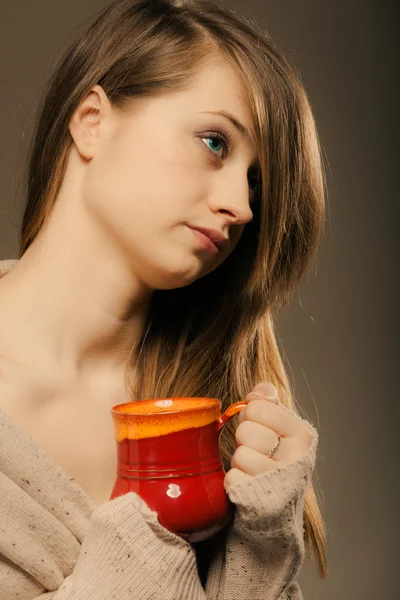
[(204, 242), (217, 237)]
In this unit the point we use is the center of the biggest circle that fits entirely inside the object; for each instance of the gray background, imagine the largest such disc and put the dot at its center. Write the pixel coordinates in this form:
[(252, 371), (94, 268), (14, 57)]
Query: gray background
[(340, 335)]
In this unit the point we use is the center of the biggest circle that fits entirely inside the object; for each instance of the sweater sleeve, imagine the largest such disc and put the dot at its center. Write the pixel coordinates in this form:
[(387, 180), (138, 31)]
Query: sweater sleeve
[(127, 554), (262, 553)]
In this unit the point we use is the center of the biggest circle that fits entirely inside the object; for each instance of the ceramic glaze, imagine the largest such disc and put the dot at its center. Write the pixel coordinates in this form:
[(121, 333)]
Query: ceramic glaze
[(168, 454)]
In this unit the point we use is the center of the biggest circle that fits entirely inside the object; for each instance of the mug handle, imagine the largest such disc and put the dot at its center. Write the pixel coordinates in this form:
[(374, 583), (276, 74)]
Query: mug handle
[(229, 413)]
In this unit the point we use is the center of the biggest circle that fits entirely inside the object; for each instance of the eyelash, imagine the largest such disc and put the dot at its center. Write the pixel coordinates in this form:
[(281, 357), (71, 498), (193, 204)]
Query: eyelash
[(223, 136)]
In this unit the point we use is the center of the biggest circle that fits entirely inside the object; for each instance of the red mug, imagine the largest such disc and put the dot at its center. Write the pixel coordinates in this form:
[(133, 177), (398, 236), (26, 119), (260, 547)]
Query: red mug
[(168, 453)]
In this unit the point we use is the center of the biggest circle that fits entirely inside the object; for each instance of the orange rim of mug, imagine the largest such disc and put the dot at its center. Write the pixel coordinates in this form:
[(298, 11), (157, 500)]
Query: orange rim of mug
[(160, 416)]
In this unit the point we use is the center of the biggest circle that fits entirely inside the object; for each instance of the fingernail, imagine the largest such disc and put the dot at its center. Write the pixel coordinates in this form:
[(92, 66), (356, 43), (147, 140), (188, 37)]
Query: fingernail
[(254, 396), (267, 390)]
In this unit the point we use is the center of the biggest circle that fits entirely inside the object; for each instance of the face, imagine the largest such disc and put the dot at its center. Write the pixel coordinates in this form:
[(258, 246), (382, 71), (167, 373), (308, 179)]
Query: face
[(165, 166)]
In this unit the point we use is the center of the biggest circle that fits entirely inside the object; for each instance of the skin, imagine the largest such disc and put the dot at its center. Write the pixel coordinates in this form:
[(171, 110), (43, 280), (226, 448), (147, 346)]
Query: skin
[(260, 423), (78, 298)]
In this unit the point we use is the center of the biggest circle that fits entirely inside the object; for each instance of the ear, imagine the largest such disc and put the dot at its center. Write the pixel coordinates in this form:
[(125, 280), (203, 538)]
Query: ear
[(88, 121)]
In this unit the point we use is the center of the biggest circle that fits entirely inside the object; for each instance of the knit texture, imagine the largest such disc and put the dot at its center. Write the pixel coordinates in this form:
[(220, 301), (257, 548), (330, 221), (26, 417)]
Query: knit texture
[(55, 543)]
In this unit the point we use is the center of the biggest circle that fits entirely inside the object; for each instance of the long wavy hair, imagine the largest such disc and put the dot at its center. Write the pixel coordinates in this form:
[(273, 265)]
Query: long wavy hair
[(215, 337)]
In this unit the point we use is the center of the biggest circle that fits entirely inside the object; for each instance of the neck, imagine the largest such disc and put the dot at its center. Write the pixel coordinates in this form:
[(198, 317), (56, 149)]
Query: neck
[(72, 303)]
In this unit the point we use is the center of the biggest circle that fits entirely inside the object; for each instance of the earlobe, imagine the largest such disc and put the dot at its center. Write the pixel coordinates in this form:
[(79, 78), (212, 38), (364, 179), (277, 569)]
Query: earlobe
[(86, 121)]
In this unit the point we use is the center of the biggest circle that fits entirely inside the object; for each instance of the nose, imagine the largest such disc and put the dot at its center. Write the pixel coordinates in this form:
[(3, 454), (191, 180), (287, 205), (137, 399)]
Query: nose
[(232, 198)]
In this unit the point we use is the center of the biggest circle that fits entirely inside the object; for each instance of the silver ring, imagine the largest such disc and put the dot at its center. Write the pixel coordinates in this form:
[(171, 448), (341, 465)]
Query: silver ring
[(275, 447)]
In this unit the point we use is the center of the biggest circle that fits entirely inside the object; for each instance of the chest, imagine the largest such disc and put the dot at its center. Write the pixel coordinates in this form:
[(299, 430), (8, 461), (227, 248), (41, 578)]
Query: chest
[(75, 429), (81, 441)]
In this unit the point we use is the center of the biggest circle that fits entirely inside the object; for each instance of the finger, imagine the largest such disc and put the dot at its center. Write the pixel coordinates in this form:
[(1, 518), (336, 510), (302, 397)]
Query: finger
[(234, 476), (262, 391), (256, 436), (267, 391), (242, 415), (251, 462), (271, 416)]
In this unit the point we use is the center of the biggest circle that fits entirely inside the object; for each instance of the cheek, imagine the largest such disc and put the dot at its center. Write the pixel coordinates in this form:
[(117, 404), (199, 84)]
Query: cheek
[(140, 182)]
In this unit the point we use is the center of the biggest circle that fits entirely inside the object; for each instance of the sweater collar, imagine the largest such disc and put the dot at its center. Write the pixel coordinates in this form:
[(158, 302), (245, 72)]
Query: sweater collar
[(7, 265)]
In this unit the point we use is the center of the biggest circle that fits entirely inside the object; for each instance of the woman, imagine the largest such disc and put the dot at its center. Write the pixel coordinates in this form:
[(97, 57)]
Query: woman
[(175, 199)]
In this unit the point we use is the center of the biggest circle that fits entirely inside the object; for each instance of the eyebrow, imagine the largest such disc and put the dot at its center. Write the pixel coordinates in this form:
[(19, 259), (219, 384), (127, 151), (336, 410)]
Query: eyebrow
[(237, 124)]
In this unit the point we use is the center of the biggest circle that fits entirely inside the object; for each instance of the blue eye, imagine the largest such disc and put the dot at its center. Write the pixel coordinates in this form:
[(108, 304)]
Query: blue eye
[(218, 138)]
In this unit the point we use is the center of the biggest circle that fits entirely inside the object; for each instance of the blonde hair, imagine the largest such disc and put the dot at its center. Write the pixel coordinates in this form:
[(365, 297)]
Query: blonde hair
[(215, 337)]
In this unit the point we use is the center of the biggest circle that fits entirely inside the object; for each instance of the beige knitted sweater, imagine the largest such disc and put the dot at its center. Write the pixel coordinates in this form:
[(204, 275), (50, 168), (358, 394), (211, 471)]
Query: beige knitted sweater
[(56, 544)]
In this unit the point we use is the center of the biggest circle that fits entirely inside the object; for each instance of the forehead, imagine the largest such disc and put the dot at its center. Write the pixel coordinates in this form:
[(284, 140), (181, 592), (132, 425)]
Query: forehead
[(217, 88), (214, 88)]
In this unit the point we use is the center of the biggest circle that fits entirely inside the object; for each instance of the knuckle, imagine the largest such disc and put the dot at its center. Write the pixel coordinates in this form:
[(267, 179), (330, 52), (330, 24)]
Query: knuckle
[(242, 432), (253, 409), (237, 457), (242, 415), (228, 478), (232, 476)]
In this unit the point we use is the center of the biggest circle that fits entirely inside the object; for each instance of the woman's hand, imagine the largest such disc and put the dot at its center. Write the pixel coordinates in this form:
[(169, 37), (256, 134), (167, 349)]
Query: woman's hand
[(260, 424)]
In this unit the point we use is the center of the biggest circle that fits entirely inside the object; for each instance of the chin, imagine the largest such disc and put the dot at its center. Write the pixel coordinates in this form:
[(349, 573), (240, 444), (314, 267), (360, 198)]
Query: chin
[(175, 270), (171, 279)]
